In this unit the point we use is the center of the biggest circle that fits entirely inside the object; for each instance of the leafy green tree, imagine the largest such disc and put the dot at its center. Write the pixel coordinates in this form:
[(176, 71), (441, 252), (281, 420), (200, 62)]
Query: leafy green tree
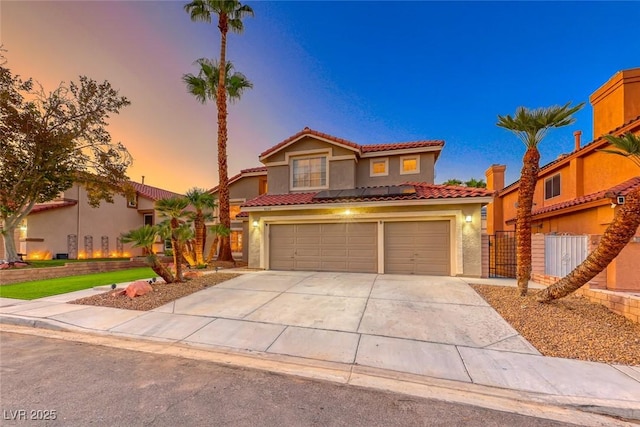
[(476, 183), (531, 126), (230, 14), (617, 235), (144, 237), (49, 141)]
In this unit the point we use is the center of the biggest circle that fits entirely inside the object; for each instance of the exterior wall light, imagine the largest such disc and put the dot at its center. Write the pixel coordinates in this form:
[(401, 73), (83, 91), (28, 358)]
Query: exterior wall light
[(255, 224), (347, 212), (468, 218)]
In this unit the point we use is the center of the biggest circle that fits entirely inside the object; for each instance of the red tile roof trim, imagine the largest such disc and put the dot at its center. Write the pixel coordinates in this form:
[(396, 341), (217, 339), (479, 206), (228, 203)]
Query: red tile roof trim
[(423, 192), (371, 148), (153, 193), (236, 177), (401, 146), (49, 206), (619, 190)]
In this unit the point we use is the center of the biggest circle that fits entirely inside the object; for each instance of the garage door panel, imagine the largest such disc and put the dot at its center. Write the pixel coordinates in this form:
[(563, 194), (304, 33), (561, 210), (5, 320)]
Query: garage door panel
[(324, 247), (417, 247)]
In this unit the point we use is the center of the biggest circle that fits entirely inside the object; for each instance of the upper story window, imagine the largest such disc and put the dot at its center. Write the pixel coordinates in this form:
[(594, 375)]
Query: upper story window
[(309, 172), (132, 201), (148, 219), (379, 167), (234, 210), (262, 185), (409, 165), (552, 187)]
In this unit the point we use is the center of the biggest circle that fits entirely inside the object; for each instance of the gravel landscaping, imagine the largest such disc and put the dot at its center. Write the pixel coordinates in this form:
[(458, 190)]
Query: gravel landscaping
[(572, 327), (162, 294)]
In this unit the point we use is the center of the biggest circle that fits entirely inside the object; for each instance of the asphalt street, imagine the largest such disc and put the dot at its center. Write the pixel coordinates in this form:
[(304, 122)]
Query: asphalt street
[(47, 382)]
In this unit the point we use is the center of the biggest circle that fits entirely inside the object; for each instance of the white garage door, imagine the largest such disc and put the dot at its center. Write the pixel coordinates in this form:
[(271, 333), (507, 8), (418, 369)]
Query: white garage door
[(324, 247), (420, 247)]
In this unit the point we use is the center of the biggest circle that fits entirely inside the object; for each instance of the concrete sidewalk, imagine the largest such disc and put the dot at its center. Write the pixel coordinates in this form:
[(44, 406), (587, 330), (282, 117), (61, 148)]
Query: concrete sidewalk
[(406, 330)]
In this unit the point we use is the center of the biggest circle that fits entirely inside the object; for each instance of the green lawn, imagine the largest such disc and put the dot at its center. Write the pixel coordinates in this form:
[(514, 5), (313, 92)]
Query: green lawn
[(62, 285), (61, 262)]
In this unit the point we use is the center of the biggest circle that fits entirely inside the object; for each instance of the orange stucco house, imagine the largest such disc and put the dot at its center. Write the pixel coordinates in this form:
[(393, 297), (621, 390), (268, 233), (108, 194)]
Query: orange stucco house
[(579, 192)]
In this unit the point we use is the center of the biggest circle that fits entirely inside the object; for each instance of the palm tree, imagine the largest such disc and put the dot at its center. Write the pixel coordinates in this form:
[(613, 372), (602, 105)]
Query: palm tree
[(201, 200), (203, 86), (531, 126), (174, 209), (617, 235), (144, 237), (230, 14)]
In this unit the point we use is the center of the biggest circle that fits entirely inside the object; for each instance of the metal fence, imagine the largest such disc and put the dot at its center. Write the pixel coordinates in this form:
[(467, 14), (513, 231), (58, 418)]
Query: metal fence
[(563, 253), (502, 254)]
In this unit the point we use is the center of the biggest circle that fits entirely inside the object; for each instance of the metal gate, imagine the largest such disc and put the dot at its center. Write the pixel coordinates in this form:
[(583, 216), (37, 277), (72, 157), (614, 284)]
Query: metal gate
[(502, 254)]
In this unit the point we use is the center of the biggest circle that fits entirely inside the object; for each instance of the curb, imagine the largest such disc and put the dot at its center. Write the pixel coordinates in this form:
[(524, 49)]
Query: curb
[(574, 410)]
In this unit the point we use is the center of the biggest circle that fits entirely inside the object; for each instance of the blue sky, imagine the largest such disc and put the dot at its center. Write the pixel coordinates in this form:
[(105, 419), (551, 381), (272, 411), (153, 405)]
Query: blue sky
[(369, 72)]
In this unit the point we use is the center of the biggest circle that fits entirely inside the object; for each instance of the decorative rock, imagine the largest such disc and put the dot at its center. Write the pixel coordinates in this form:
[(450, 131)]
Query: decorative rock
[(137, 289)]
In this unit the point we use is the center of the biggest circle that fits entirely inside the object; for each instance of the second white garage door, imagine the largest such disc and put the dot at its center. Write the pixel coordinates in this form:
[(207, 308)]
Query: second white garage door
[(420, 247), (324, 247)]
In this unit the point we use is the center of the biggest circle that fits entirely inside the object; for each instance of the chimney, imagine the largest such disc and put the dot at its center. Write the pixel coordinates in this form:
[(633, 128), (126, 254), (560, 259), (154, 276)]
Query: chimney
[(495, 177), (616, 102), (142, 179), (576, 135)]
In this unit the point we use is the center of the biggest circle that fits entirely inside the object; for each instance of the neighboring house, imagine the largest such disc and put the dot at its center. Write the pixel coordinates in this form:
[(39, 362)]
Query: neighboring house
[(246, 185), (333, 205), (69, 228), (579, 192)]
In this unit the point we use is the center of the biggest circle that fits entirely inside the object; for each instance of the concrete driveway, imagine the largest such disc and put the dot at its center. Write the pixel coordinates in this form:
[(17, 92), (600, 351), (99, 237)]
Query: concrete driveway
[(366, 319)]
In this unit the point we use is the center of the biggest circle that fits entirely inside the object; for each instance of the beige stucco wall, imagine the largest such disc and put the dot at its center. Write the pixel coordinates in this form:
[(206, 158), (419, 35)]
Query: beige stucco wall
[(307, 143), (278, 179), (342, 174), (363, 178), (109, 219), (468, 235)]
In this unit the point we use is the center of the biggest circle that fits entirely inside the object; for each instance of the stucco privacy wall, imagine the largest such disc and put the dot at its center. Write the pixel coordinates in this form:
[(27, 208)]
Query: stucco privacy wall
[(466, 239)]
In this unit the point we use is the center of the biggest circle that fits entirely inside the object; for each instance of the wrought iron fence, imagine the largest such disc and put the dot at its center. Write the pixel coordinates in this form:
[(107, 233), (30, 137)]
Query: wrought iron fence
[(502, 254)]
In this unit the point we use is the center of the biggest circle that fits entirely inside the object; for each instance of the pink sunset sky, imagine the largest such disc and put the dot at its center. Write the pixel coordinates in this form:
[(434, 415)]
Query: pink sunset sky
[(369, 72)]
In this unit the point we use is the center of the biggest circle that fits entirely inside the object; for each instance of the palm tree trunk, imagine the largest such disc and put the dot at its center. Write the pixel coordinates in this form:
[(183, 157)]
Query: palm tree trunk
[(212, 249), (199, 244), (177, 250), (529, 175), (221, 101), (160, 269), (615, 238)]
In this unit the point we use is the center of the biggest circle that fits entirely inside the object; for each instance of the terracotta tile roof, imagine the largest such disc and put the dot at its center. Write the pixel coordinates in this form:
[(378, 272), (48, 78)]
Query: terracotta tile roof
[(401, 146), (153, 193), (371, 148), (423, 192), (307, 131), (618, 190), (584, 148), (243, 215), (41, 207), (254, 170)]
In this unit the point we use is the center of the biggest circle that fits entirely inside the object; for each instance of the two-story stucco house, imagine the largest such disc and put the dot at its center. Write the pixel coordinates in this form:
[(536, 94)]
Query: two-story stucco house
[(333, 205), (69, 227)]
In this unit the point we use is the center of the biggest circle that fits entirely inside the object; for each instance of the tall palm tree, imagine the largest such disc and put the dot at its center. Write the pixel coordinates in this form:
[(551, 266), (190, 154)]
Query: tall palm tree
[(174, 209), (204, 85), (202, 201), (144, 237), (531, 126), (617, 235), (230, 14)]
